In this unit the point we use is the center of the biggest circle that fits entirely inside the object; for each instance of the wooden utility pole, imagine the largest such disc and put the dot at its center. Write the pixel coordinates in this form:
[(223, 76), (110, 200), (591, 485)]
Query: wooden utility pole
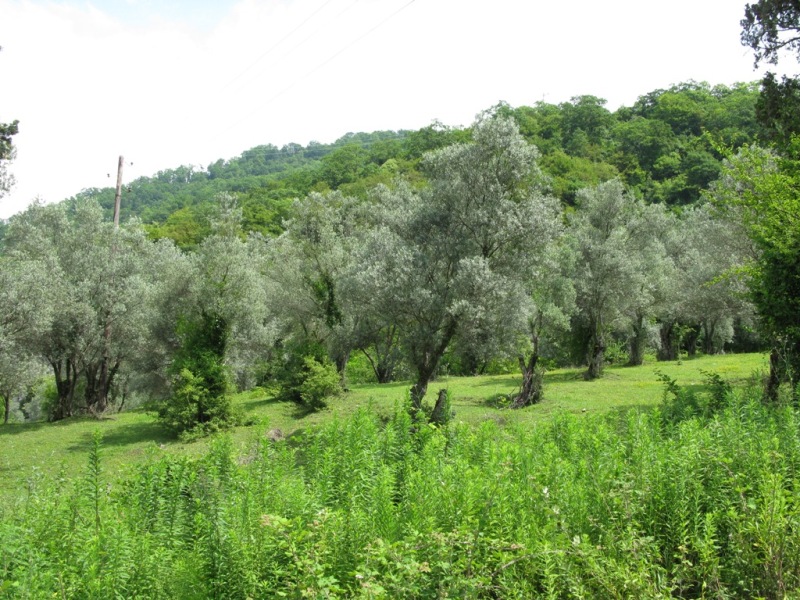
[(118, 195), (105, 375)]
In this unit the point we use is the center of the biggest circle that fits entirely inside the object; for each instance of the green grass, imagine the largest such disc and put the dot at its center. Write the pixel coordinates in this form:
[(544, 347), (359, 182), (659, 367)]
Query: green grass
[(130, 437), (698, 499)]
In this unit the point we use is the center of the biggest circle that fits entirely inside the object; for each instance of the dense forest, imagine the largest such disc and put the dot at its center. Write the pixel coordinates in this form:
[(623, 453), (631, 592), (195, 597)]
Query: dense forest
[(666, 148)]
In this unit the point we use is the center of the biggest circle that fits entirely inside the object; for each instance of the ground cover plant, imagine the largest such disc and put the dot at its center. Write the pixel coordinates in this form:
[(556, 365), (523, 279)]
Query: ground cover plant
[(130, 437), (697, 497)]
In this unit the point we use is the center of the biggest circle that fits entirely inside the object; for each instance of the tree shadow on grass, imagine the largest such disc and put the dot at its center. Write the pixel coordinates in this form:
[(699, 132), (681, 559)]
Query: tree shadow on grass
[(564, 377), (126, 435), (256, 403), (16, 428), (509, 380), (498, 401), (301, 411)]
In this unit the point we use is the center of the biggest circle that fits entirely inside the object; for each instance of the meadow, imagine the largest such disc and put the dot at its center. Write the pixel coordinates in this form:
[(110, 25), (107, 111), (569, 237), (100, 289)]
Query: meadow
[(639, 485), (33, 449)]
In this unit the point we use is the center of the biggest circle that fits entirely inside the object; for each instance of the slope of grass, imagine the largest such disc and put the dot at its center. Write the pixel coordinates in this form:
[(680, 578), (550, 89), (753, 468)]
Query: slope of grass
[(29, 449), (697, 502)]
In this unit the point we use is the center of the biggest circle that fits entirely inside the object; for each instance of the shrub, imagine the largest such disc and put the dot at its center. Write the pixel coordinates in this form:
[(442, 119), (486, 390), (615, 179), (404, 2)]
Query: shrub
[(318, 381), (199, 403), (193, 410), (306, 376)]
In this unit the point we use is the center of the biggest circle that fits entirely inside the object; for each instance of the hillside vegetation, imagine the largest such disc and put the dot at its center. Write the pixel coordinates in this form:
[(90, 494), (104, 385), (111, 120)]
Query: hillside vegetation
[(667, 147), (32, 450), (693, 498), (554, 354)]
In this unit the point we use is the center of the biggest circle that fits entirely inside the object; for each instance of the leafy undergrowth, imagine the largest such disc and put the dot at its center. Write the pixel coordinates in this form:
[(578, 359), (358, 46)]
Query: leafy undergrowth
[(53, 449), (696, 498)]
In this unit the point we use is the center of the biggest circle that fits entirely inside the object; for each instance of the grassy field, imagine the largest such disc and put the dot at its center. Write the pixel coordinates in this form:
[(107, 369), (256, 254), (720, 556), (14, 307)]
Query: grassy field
[(29, 449), (588, 495)]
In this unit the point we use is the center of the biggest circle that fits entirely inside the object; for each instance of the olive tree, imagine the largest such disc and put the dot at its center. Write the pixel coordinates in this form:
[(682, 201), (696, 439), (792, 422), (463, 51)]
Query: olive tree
[(652, 232), (308, 261), (549, 306), (714, 292), (609, 272), (453, 259), (99, 282), (224, 324), (25, 305)]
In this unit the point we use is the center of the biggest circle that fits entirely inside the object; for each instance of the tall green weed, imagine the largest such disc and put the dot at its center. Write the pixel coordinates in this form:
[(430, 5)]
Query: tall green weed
[(696, 500)]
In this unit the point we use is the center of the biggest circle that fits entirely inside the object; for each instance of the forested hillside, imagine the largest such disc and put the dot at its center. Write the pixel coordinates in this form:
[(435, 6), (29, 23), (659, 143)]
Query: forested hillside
[(667, 147)]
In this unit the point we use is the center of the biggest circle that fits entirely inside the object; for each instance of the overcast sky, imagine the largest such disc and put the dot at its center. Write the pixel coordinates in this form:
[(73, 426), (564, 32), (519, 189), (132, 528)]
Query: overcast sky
[(177, 82)]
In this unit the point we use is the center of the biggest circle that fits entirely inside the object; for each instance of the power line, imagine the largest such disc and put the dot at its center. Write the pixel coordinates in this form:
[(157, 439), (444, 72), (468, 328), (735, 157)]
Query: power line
[(317, 68), (314, 33), (276, 44)]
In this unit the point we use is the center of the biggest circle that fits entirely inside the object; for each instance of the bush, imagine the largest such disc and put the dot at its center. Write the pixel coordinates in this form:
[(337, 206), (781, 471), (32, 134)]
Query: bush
[(318, 381), (307, 377), (680, 403), (192, 410), (199, 403)]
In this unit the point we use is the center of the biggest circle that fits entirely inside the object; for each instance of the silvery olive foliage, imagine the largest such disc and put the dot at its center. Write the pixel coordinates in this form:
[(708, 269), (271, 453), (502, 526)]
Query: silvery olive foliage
[(307, 264), (24, 311), (228, 283), (654, 274), (454, 260), (99, 309), (712, 286), (610, 272)]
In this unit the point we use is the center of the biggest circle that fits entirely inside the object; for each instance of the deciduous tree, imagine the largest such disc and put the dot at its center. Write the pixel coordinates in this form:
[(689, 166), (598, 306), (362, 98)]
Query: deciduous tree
[(763, 190), (98, 276), (454, 258)]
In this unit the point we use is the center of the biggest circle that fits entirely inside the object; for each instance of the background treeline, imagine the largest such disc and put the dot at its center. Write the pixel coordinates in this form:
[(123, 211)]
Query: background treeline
[(667, 147)]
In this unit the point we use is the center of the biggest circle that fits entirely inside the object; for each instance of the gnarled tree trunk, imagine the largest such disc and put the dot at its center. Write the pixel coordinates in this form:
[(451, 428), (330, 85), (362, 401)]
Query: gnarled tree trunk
[(669, 341), (638, 342), (99, 379), (66, 375), (441, 409), (420, 388), (596, 353), (690, 340), (428, 362), (709, 329), (531, 391)]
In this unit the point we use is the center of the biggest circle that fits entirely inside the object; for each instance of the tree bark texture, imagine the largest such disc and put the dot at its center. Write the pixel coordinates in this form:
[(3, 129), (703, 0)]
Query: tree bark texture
[(441, 409), (66, 376), (638, 342), (428, 362), (669, 341), (595, 354), (709, 329), (532, 377)]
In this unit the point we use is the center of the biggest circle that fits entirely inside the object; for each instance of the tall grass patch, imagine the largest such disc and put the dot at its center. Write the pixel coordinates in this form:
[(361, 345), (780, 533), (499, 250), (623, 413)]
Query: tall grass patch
[(693, 503)]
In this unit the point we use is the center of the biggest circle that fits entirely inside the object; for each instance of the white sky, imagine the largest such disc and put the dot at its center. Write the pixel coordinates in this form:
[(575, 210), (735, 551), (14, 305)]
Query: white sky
[(177, 82)]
